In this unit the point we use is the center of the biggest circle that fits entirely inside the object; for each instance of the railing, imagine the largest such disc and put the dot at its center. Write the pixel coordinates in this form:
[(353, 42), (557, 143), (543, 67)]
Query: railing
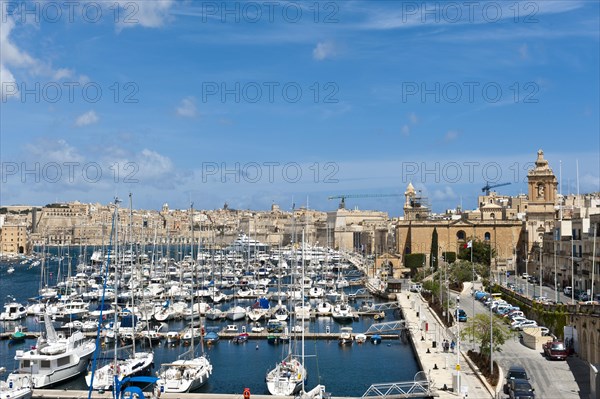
[(385, 306), (421, 386), (391, 326)]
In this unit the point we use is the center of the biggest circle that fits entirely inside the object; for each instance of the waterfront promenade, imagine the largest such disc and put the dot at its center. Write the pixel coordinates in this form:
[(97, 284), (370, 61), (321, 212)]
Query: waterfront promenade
[(427, 331)]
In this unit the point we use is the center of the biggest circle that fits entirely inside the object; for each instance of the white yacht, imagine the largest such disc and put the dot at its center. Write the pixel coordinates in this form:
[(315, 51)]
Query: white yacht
[(54, 358), (13, 311), (342, 312), (19, 388)]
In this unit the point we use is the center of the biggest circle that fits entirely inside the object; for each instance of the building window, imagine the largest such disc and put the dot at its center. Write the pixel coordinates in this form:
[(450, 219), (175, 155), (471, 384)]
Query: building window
[(487, 236), (460, 235)]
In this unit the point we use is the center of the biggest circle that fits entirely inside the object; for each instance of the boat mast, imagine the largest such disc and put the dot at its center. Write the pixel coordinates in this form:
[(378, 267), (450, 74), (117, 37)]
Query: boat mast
[(194, 270), (116, 284), (303, 310), (133, 317)]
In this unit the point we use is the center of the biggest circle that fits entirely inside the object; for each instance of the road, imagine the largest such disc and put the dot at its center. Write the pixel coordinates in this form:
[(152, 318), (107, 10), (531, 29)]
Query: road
[(551, 379), (531, 290)]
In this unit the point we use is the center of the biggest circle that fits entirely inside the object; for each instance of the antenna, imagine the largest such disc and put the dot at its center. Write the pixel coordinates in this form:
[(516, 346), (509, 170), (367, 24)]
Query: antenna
[(577, 181), (560, 212)]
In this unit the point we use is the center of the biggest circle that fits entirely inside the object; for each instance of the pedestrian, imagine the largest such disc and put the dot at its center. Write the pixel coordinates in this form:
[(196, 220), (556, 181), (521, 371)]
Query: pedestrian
[(445, 345), (452, 345)]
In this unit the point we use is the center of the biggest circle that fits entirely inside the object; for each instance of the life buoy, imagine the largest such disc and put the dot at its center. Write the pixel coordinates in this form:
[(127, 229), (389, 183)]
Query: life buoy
[(246, 393)]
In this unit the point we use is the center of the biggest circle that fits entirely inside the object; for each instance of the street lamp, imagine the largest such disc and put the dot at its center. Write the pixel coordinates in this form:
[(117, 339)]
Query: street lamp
[(458, 390)]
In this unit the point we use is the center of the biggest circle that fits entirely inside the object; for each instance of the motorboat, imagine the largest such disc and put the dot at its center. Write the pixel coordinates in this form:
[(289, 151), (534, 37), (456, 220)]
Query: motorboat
[(360, 338), (54, 358), (13, 311), (345, 336), (17, 388), (342, 312)]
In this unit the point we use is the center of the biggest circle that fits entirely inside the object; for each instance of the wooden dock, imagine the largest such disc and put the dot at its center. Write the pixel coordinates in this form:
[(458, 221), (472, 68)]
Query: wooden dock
[(72, 394), (225, 335)]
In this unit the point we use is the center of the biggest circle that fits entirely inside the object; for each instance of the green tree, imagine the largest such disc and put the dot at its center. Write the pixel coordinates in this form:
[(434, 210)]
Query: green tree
[(478, 329), (461, 272), (414, 262), (482, 252), (433, 256)]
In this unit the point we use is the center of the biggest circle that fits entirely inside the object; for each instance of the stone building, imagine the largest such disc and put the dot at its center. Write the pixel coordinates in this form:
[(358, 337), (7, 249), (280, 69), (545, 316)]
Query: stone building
[(571, 253), (368, 232), (14, 239), (514, 226)]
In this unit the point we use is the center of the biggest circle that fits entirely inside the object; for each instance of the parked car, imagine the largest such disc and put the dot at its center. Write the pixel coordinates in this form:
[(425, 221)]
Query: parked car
[(416, 288), (525, 276), (461, 315), (517, 320), (520, 389), (555, 350), (515, 372), (514, 313), (526, 323), (567, 290)]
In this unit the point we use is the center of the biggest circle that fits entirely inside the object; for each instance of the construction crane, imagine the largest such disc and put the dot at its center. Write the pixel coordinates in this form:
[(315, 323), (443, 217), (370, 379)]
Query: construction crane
[(344, 196), (487, 187)]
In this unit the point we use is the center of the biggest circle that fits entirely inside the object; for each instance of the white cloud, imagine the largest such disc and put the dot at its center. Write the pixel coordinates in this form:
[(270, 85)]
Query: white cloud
[(8, 85), (524, 52), (414, 119), (50, 150), (15, 58), (444, 194), (421, 14), (405, 130), (62, 73), (148, 14), (324, 50), (88, 118), (187, 108), (451, 135)]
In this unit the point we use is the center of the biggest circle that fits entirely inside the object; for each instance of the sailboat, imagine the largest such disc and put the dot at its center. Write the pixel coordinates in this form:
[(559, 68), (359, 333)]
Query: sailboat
[(185, 375), (287, 378), (138, 363)]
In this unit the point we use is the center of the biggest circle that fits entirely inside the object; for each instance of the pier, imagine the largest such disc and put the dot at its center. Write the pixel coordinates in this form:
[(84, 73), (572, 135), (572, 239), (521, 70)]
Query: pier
[(426, 333)]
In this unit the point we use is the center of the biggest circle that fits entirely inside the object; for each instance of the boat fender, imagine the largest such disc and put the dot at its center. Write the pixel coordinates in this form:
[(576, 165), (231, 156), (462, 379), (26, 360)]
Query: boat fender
[(246, 393)]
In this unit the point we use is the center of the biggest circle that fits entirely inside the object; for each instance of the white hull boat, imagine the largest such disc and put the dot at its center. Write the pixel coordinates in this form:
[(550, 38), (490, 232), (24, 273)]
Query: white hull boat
[(185, 375), (54, 359)]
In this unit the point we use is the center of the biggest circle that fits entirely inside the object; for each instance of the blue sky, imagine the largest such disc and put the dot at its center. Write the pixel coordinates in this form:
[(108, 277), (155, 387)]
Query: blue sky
[(251, 103)]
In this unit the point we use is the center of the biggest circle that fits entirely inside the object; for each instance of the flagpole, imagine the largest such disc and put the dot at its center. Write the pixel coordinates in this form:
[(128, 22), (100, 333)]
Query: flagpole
[(472, 289)]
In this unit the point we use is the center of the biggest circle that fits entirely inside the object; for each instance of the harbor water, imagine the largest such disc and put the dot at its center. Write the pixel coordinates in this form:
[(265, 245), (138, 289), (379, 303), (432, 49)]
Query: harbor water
[(344, 370)]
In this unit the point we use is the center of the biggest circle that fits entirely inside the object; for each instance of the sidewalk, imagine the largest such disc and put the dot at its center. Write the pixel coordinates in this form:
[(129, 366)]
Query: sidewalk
[(426, 331)]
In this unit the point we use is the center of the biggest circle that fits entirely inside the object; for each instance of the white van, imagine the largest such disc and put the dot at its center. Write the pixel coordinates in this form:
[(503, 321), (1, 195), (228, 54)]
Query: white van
[(416, 288)]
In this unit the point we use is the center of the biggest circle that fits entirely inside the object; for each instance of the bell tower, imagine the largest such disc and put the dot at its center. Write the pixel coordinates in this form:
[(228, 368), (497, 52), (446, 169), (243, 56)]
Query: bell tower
[(416, 207), (542, 186), (541, 211)]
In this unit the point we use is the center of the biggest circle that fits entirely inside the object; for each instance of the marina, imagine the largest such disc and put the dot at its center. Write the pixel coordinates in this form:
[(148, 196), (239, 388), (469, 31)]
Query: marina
[(341, 368)]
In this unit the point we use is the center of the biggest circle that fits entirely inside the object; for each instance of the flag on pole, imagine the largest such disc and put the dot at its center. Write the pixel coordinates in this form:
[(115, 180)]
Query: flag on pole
[(470, 244)]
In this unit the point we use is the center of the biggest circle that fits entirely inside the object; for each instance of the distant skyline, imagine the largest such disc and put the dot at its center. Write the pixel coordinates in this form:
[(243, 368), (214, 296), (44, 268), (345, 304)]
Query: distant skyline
[(252, 103)]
